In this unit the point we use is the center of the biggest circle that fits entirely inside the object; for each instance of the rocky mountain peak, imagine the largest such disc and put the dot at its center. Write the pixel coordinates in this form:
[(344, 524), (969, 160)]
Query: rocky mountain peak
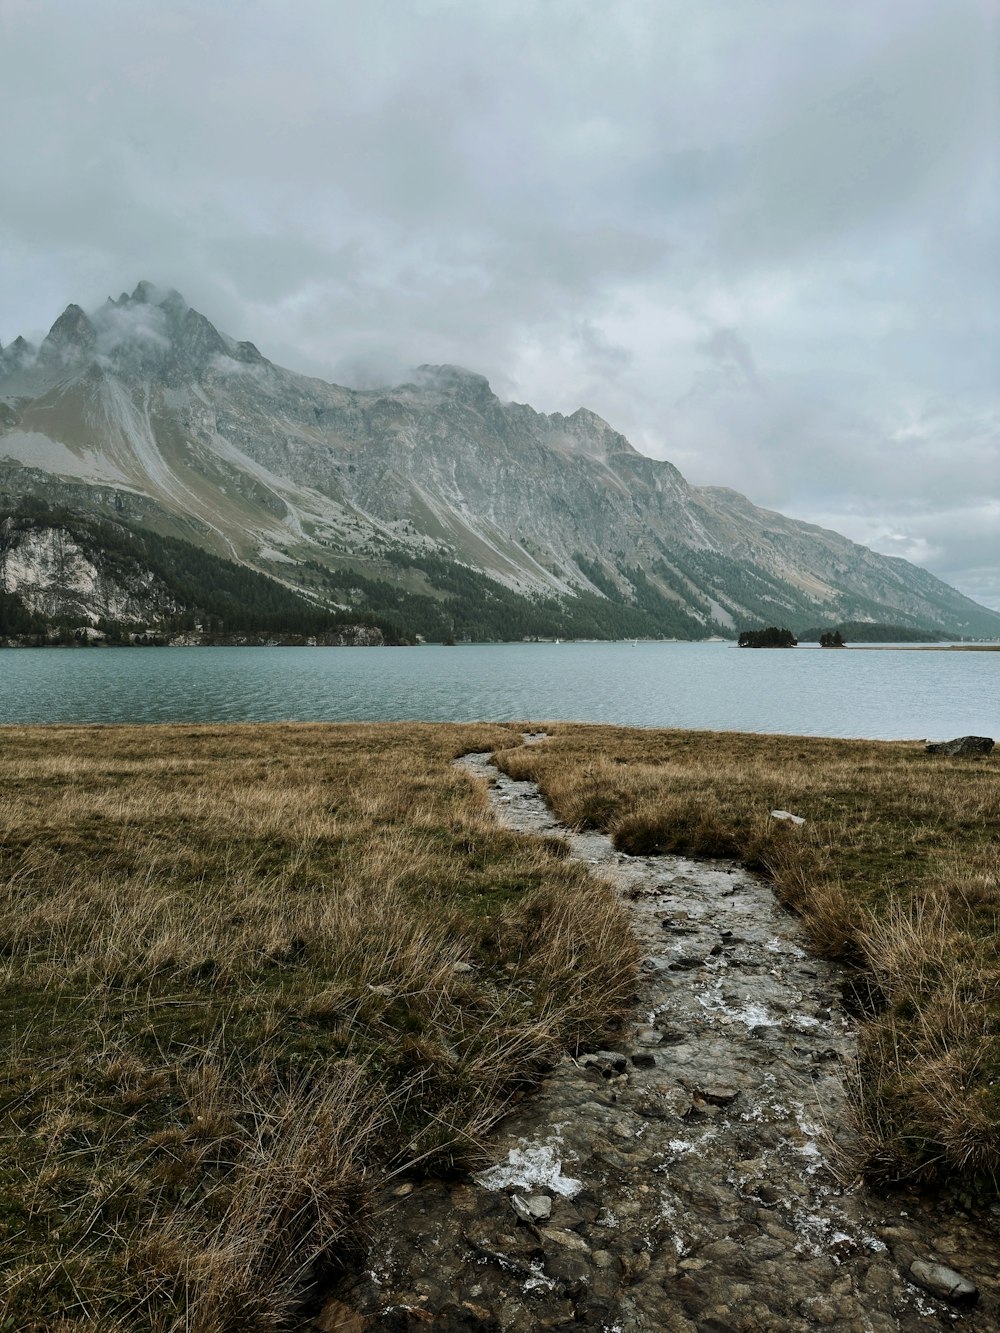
[(15, 354), (457, 382), (70, 337), (150, 293), (590, 434), (154, 328), (197, 338), (151, 330), (248, 352)]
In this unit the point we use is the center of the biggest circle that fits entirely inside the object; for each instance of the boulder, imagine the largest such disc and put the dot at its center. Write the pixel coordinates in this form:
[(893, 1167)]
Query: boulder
[(961, 745)]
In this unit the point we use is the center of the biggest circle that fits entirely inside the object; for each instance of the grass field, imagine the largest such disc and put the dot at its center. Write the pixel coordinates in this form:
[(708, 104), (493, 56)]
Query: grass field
[(896, 871), (249, 971)]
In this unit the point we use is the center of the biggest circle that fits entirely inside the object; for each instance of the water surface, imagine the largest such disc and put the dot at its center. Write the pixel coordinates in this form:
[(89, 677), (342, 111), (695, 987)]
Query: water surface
[(891, 695)]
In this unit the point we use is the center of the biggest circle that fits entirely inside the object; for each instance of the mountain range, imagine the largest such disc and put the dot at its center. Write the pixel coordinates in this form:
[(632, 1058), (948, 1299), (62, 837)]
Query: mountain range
[(135, 433)]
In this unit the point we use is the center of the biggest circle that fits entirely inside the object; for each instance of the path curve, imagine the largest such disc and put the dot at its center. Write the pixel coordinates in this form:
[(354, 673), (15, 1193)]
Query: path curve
[(695, 1179)]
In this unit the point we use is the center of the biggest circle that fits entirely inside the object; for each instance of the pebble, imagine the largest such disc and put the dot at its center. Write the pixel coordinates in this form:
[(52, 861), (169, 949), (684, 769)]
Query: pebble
[(568, 1239), (539, 1205)]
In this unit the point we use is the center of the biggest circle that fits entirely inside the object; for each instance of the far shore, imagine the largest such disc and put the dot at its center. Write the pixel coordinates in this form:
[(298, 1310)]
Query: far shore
[(923, 647)]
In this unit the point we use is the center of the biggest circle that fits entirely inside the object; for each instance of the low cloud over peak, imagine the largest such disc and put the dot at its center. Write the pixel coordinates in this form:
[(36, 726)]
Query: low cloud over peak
[(759, 239)]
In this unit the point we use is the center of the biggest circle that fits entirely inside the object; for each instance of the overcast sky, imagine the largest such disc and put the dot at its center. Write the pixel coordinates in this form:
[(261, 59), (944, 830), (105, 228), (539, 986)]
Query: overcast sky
[(758, 236)]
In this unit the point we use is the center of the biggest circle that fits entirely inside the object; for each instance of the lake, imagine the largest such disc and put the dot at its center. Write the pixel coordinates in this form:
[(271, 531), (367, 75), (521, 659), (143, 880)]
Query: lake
[(890, 695)]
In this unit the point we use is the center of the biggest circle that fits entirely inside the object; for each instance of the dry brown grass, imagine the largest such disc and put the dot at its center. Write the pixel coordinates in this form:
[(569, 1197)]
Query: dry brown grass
[(896, 871), (236, 995)]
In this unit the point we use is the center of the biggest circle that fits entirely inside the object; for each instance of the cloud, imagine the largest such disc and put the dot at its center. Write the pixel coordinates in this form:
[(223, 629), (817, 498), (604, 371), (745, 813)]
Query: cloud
[(227, 365), (730, 351), (143, 324), (759, 239)]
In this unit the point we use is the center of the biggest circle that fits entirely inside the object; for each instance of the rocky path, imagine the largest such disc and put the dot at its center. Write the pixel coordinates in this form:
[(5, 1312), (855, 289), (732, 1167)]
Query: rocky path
[(697, 1177)]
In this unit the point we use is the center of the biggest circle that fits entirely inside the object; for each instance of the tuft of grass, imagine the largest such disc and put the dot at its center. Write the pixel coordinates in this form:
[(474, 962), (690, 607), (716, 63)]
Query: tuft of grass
[(895, 872), (248, 973)]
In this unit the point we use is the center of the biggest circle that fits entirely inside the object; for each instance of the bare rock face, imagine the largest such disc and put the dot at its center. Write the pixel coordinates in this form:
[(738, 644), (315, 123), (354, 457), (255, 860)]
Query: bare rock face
[(71, 338), (961, 746), (55, 576)]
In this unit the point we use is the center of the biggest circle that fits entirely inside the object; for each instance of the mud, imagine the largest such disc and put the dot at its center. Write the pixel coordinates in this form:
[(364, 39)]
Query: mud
[(698, 1178)]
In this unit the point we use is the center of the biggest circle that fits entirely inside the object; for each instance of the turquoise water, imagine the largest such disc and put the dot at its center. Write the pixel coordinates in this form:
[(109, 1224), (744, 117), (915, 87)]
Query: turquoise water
[(805, 691)]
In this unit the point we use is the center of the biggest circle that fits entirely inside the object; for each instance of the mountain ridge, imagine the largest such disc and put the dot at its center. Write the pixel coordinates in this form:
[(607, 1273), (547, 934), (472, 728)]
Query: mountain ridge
[(144, 408)]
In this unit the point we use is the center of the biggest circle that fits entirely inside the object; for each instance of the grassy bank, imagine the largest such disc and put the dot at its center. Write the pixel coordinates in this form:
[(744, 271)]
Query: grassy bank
[(896, 870), (248, 971)]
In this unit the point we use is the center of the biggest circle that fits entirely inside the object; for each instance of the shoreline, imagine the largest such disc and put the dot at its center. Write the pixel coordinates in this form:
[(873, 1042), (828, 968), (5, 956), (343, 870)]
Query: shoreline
[(922, 647), (376, 640)]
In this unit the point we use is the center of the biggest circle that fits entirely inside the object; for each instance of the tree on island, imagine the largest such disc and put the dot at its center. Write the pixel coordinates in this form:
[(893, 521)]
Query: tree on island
[(832, 639), (772, 637)]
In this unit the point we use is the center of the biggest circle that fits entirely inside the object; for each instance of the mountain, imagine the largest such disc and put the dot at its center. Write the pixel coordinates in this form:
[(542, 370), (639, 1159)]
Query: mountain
[(432, 504)]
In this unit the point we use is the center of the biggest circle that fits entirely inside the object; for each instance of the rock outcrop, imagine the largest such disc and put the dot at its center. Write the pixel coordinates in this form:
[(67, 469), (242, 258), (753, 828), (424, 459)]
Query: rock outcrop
[(961, 746), (59, 578)]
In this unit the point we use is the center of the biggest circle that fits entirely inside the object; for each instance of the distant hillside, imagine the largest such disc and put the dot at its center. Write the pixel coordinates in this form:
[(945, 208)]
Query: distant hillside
[(61, 569), (432, 502), (860, 631)]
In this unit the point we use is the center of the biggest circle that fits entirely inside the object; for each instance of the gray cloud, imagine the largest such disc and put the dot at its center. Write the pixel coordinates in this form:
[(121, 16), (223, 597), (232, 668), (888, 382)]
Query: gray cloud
[(759, 238), (115, 325)]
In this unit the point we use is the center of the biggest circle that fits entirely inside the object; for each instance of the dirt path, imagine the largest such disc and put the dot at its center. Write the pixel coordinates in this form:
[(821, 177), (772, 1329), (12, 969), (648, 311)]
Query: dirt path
[(695, 1178)]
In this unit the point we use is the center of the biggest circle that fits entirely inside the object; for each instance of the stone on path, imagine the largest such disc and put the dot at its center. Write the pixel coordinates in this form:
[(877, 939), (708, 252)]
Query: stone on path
[(719, 1094), (944, 1282), (535, 1208), (539, 1205)]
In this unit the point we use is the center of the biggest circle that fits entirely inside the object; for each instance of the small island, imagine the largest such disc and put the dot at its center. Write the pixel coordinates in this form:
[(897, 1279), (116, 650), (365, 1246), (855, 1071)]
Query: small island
[(772, 637), (832, 639)]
